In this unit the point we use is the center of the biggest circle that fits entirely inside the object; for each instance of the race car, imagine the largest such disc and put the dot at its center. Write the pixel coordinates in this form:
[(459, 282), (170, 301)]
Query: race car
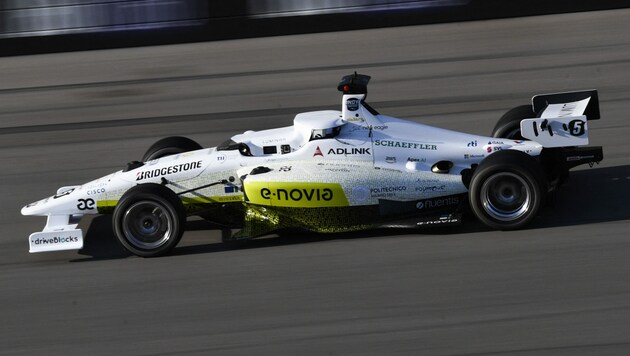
[(334, 171)]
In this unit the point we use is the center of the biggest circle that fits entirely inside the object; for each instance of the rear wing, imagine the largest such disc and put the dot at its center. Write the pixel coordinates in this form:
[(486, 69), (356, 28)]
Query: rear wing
[(561, 118), (575, 103)]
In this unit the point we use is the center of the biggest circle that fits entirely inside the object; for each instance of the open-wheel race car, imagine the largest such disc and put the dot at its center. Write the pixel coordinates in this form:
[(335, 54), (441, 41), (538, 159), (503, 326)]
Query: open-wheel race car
[(334, 171)]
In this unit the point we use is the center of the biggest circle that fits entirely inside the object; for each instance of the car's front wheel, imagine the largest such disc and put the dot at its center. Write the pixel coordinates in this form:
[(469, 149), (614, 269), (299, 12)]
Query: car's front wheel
[(149, 220), (507, 189)]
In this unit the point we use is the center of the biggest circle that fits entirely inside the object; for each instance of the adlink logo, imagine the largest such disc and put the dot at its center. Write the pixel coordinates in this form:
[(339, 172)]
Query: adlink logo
[(349, 151), (296, 194)]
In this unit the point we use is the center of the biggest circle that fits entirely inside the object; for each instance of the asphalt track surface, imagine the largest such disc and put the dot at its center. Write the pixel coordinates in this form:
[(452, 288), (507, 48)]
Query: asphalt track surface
[(559, 287)]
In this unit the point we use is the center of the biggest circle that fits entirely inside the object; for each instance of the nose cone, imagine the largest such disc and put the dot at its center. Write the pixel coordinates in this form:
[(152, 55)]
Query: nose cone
[(64, 202), (28, 209)]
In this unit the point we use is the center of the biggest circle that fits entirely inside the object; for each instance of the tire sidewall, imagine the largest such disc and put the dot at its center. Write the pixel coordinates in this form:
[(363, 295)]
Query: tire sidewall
[(510, 122), (170, 146), (152, 193)]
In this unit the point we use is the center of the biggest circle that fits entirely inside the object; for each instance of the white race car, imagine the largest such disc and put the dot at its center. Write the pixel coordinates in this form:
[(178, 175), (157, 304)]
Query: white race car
[(334, 171)]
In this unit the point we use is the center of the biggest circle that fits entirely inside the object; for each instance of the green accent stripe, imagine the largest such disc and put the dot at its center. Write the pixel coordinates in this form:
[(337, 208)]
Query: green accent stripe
[(107, 206)]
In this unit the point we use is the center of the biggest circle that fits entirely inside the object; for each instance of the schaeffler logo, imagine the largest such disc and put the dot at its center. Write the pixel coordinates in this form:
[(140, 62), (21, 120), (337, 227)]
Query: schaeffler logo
[(412, 145), (318, 152)]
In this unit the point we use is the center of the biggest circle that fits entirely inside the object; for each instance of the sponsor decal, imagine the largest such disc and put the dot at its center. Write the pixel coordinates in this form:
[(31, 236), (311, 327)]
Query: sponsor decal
[(183, 167), (437, 203), (412, 145), (274, 140), (95, 191), (312, 194), (85, 204), (384, 192), (491, 149), (380, 127), (318, 152), (285, 169), (228, 199), (221, 158), (183, 155), (440, 221), (230, 189), (468, 156), (345, 170), (63, 194), (579, 158), (55, 240), (355, 119), (296, 194), (431, 188), (390, 159), (496, 142), (567, 109), (99, 184), (349, 151), (414, 159), (427, 180), (352, 104), (472, 144), (518, 142)]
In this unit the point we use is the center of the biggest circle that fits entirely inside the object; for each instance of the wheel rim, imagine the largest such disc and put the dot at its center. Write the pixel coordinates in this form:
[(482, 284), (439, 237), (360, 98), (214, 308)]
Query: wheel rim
[(506, 196), (147, 224)]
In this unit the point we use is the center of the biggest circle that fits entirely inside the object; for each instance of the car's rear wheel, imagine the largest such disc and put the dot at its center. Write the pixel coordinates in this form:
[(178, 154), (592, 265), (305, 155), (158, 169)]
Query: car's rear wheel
[(509, 125), (170, 146), (507, 190), (149, 220)]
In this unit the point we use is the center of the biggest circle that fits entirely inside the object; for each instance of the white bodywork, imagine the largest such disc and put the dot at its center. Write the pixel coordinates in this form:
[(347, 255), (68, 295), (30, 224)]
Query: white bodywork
[(371, 156)]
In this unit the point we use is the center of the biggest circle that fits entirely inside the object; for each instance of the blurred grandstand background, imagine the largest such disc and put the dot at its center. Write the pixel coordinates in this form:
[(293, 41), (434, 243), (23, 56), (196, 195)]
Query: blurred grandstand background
[(39, 26)]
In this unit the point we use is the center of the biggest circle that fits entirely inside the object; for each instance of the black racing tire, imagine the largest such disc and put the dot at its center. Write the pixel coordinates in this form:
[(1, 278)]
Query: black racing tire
[(507, 190), (149, 220), (509, 125), (170, 146)]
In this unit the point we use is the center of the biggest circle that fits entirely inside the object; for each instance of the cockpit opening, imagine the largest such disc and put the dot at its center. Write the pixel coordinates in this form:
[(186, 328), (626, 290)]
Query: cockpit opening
[(318, 134)]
